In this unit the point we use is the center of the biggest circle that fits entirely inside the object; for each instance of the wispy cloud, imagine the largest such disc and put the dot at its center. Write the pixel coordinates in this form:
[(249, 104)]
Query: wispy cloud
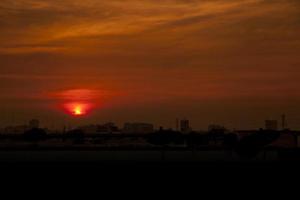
[(113, 43), (42, 22)]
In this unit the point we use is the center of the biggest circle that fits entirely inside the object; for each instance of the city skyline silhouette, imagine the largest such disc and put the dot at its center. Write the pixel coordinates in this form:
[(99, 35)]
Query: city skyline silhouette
[(136, 80)]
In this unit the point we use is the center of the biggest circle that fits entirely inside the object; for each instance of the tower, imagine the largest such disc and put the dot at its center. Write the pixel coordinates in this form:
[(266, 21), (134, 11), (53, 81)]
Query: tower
[(185, 125), (177, 124), (284, 125)]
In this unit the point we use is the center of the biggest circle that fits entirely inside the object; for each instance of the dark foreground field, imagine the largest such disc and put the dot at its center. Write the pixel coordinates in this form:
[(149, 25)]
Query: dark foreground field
[(143, 169)]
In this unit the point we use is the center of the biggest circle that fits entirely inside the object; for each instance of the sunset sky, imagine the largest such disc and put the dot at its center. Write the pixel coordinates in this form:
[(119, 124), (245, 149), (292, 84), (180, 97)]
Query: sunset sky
[(231, 62)]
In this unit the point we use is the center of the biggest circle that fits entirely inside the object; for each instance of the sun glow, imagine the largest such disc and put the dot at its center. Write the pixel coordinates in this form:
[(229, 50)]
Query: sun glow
[(78, 102), (78, 109)]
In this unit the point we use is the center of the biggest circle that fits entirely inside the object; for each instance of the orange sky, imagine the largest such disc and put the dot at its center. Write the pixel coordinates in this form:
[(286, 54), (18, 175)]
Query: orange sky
[(234, 62)]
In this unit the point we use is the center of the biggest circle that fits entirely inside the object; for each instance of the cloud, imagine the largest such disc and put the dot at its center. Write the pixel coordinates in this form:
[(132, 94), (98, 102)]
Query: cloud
[(74, 27), (125, 44), (42, 22)]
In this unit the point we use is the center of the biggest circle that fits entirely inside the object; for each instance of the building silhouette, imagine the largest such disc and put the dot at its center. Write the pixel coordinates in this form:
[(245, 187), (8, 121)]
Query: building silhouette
[(185, 126), (271, 125), (34, 123), (141, 128)]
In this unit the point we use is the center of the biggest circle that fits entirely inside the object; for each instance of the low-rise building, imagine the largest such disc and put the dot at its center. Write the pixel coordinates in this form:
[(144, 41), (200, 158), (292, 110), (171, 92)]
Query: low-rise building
[(21, 129), (94, 129), (136, 128), (108, 128), (34, 123), (271, 125), (90, 129)]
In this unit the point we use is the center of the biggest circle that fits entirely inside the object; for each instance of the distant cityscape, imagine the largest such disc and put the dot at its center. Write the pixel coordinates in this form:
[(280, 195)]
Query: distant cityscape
[(145, 135), (182, 125), (141, 141)]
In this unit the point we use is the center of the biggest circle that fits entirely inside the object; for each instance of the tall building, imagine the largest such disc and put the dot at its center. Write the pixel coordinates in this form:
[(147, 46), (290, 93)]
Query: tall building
[(271, 125), (34, 123), (283, 122), (185, 125)]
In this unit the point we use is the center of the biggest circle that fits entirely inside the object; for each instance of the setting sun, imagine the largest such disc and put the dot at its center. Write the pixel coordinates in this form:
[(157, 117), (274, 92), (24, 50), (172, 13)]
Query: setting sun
[(78, 102), (78, 109)]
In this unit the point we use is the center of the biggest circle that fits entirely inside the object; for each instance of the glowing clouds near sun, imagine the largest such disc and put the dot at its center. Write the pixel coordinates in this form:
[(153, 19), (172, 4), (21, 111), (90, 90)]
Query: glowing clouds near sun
[(78, 109), (79, 102)]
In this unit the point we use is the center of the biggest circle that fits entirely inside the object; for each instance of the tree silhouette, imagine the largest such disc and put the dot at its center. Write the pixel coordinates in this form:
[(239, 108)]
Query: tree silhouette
[(165, 137), (35, 135), (250, 146), (230, 140), (196, 139), (77, 135)]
